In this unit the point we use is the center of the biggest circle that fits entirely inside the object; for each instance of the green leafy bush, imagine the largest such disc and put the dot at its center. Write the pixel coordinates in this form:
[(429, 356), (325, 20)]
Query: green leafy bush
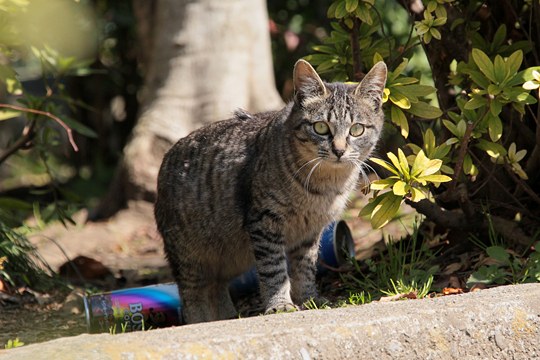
[(470, 140), (26, 53)]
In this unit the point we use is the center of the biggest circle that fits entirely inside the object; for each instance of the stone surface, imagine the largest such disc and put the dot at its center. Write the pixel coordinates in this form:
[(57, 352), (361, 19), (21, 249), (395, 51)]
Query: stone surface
[(500, 323)]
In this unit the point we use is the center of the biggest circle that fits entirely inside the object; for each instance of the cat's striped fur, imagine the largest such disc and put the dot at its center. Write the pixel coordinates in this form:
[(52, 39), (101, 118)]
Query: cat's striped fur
[(258, 189)]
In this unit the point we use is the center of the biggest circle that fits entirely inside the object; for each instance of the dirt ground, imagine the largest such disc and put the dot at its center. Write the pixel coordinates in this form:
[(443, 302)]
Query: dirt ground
[(129, 246)]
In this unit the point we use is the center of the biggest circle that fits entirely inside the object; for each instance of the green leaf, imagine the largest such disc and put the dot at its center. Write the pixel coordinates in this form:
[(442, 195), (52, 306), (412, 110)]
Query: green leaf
[(362, 12), (495, 107), (493, 90), (499, 37), (492, 149), (341, 10), (475, 102), (382, 184), (425, 111), (395, 161), (399, 118), (456, 23), (479, 78), (417, 194), (468, 165), (385, 210), (513, 63), (435, 33), (399, 188), (329, 64), (351, 5), (421, 28), (451, 127), (370, 206), (8, 114), (400, 100), (325, 49), (495, 128), (436, 178), (405, 80), (499, 69), (398, 70), (403, 162), (80, 128), (430, 167), (486, 275), (440, 12), (385, 165), (484, 64), (417, 90), (498, 253), (331, 13), (429, 139), (14, 204)]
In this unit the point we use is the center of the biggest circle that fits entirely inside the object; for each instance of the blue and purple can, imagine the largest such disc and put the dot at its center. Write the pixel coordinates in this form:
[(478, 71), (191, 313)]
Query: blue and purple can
[(336, 246), (126, 310), (158, 306)]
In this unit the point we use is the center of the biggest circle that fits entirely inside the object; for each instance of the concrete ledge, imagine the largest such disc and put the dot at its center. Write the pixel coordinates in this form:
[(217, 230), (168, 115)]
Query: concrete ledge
[(500, 323)]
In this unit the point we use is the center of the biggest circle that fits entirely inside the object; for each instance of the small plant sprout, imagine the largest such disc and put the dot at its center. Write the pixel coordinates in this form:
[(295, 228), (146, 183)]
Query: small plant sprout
[(13, 343), (534, 83), (311, 304), (360, 298), (409, 180), (513, 158)]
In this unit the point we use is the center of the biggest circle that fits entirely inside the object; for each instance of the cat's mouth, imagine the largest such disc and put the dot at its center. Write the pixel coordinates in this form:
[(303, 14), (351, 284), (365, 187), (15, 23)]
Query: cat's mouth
[(338, 161)]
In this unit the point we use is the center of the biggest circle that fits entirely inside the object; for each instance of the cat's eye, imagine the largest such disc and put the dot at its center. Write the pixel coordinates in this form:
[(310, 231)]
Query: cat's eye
[(321, 128), (356, 130)]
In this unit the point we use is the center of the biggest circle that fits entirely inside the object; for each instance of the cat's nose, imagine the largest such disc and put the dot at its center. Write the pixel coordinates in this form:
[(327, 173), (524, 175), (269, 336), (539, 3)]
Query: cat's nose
[(338, 152), (338, 147)]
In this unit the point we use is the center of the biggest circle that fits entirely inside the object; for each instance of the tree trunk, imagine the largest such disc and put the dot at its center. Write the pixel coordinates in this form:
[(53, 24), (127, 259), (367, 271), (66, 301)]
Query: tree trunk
[(203, 59)]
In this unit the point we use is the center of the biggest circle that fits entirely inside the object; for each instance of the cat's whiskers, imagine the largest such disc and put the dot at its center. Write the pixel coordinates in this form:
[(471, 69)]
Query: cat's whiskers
[(360, 167), (306, 183), (372, 169), (307, 163)]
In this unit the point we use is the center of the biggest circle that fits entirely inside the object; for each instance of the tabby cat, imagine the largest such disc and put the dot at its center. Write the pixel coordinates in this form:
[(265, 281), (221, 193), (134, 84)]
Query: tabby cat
[(259, 189)]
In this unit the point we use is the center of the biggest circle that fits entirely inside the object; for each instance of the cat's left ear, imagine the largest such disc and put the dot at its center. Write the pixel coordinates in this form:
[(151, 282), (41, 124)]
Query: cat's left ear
[(307, 83), (372, 86)]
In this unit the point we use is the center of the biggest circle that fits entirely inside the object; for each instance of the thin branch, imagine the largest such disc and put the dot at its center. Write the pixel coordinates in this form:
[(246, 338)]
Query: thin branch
[(496, 181), (457, 220), (28, 134), (522, 184), (382, 29), (48, 114), (461, 155), (534, 160), (441, 217), (355, 47)]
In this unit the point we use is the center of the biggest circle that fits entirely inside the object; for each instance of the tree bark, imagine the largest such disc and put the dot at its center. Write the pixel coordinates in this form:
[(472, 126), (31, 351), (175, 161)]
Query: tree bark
[(203, 59)]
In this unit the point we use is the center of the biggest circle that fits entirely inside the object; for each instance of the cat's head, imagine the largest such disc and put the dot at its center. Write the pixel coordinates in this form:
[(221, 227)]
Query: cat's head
[(337, 122)]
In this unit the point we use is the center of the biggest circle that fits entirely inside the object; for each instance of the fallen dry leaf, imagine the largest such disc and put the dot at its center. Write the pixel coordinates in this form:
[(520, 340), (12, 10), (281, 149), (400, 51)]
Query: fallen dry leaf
[(411, 295), (452, 291), (477, 287)]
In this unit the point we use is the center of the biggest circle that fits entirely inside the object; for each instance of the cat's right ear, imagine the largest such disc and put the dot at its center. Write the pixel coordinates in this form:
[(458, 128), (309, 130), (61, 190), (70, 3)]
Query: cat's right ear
[(372, 86), (308, 86)]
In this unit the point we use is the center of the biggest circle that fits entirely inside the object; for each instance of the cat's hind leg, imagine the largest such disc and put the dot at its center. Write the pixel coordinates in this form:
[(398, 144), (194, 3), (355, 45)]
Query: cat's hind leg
[(224, 305)]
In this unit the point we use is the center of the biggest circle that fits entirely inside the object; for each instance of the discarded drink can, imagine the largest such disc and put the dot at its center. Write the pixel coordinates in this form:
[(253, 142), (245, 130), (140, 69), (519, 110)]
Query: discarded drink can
[(336, 246), (158, 306), (126, 310)]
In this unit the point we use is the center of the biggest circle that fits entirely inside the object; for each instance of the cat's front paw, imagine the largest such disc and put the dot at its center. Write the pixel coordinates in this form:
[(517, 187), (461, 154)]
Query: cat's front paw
[(281, 308)]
